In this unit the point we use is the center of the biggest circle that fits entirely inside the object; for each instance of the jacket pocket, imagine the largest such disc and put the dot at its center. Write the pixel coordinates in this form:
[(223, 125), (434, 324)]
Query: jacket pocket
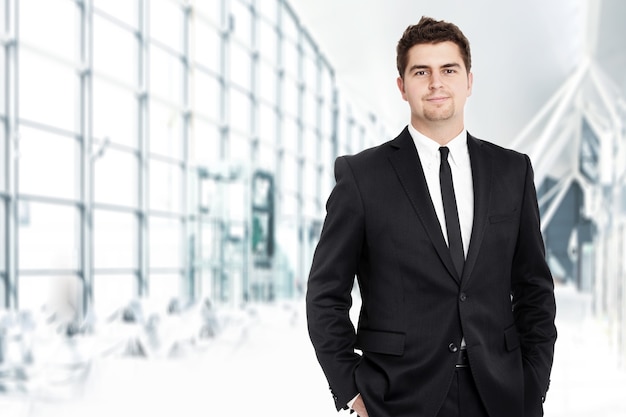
[(374, 341), (511, 338), (500, 218)]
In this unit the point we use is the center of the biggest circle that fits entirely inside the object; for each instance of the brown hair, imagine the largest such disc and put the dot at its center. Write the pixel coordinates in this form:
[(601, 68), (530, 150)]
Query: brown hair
[(429, 30)]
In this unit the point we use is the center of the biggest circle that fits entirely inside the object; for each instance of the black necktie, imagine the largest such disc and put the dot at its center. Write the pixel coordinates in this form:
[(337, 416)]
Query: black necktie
[(450, 210)]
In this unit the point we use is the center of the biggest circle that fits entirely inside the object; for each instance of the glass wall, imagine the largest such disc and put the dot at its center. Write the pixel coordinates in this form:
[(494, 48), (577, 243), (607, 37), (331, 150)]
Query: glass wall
[(164, 150)]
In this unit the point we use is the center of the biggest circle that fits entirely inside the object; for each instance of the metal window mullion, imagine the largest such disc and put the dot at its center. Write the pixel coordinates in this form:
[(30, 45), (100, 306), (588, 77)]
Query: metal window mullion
[(280, 111), (254, 86), (143, 44), (300, 220), (225, 80), (86, 181), (11, 135), (188, 279)]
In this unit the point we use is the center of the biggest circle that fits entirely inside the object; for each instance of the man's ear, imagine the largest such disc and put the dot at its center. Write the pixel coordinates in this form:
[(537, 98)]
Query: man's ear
[(400, 82)]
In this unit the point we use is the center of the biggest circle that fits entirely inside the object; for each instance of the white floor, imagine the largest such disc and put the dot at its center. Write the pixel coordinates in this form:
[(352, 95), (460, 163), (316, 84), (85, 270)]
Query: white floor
[(263, 364)]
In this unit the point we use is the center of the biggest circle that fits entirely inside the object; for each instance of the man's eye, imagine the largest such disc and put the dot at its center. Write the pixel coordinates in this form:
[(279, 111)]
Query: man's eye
[(420, 73), (449, 71)]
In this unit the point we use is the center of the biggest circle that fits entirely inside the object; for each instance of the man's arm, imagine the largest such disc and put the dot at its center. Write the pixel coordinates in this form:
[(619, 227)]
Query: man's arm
[(330, 283), (534, 306)]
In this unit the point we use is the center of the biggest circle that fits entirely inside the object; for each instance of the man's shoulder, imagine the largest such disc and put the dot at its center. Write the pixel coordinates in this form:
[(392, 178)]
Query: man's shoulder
[(497, 150), (377, 153)]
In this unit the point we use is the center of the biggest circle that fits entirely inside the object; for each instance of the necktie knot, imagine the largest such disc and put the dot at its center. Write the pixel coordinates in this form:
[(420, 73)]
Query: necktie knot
[(444, 153)]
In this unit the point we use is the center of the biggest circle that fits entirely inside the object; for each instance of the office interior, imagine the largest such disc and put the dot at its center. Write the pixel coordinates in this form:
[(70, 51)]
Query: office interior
[(165, 166)]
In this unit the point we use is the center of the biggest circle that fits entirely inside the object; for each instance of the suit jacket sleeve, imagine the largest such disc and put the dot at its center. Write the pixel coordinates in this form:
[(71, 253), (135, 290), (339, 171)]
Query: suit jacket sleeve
[(330, 283), (533, 302)]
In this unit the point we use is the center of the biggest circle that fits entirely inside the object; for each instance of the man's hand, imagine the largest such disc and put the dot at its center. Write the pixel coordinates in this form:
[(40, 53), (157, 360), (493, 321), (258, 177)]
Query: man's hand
[(359, 407)]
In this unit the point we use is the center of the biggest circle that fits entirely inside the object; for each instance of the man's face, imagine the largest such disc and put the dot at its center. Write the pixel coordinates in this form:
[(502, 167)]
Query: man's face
[(436, 85)]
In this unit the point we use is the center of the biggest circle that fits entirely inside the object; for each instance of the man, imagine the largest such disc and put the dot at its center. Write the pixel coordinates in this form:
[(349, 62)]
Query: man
[(457, 315)]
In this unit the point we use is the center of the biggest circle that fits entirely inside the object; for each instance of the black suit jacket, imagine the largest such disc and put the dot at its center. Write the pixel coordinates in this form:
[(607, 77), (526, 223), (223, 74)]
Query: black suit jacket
[(382, 228)]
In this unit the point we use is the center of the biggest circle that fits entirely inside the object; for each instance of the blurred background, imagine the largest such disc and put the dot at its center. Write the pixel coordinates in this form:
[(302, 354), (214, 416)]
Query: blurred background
[(164, 166)]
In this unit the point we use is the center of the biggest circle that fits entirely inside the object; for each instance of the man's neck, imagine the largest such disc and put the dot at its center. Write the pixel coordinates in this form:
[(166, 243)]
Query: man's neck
[(442, 132)]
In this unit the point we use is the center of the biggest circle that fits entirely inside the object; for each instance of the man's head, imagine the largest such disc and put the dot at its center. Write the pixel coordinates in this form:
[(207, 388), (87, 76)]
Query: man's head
[(428, 30)]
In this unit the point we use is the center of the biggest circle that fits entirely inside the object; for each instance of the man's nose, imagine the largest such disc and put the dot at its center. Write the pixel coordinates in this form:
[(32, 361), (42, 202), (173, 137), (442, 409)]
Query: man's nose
[(435, 80)]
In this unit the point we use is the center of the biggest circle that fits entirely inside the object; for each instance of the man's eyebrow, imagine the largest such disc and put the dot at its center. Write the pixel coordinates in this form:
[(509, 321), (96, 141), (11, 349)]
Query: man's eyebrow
[(421, 66), (416, 67)]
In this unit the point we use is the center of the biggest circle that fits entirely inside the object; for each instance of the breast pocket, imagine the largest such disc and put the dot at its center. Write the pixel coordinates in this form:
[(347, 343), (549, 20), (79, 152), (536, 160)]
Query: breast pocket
[(502, 218)]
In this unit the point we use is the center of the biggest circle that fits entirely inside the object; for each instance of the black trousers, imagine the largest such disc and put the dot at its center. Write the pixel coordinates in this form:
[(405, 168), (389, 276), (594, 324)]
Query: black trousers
[(463, 399)]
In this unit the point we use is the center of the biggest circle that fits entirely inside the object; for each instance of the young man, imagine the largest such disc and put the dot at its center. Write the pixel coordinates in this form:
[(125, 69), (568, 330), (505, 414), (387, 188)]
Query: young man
[(442, 232)]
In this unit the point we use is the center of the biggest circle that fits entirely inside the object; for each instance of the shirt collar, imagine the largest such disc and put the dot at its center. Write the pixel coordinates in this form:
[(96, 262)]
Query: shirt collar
[(429, 149)]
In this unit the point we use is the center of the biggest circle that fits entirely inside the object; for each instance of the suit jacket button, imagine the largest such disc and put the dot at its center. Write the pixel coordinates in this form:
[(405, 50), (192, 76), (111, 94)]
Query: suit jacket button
[(452, 347), (463, 296)]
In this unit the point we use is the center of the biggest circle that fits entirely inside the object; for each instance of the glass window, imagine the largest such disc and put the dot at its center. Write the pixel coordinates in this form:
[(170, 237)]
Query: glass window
[(116, 178), (3, 236), (268, 42), (290, 26), (242, 22), (268, 9), (206, 45), (311, 209), (290, 97), (267, 124), (59, 293), (49, 25), (114, 113), (166, 75), (310, 72), (290, 59), (164, 288), (310, 145), (327, 182), (212, 10), (2, 15), (290, 135), (206, 95), (240, 118), (47, 96), (239, 147), (165, 186), (165, 130), (206, 142), (3, 156), (310, 180), (166, 23), (326, 86), (266, 157), (48, 164), (326, 119), (123, 10), (112, 292), (310, 109), (3, 85), (290, 173), (240, 66), (327, 156), (48, 236), (288, 208), (165, 242), (115, 239), (119, 61), (267, 82)]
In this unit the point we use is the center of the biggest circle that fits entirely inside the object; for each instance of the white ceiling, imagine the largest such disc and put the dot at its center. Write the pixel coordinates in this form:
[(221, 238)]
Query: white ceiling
[(521, 51)]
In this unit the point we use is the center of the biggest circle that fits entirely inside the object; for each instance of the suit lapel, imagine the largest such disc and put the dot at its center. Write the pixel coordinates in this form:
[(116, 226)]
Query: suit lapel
[(408, 168), (481, 163)]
